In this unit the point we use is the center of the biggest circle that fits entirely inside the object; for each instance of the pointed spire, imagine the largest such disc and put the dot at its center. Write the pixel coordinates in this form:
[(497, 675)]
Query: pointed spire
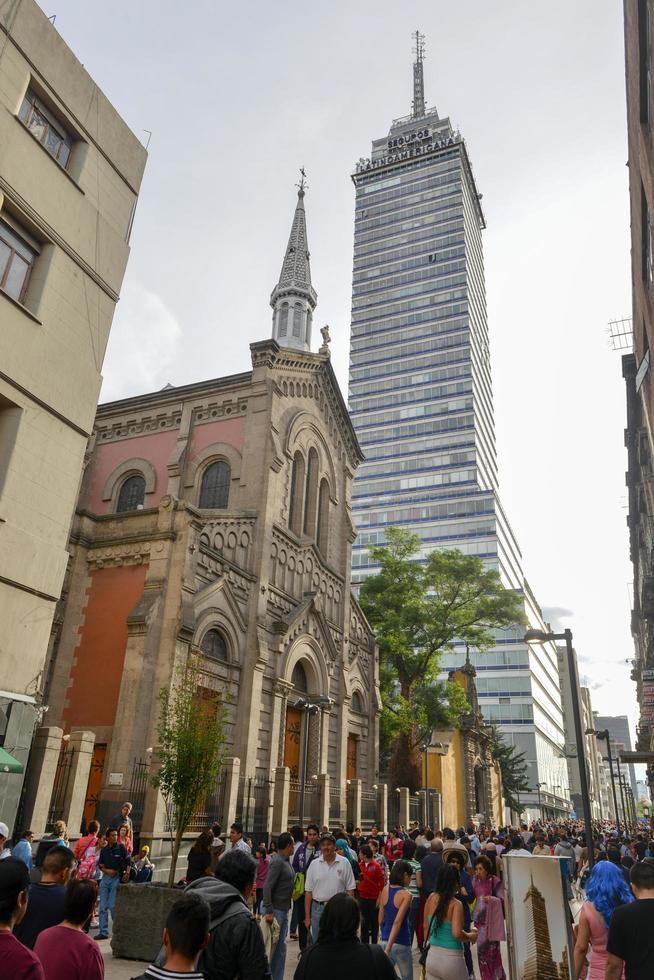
[(294, 299), (418, 104)]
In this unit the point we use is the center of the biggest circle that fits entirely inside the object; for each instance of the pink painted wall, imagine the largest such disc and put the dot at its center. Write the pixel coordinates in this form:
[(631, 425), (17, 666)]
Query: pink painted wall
[(231, 431), (155, 447)]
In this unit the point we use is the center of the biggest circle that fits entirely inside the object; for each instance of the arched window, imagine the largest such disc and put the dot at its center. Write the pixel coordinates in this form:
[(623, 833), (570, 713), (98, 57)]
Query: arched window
[(299, 679), (308, 333), (132, 494), (357, 703), (214, 646), (214, 489), (283, 320), (297, 320), (311, 493), (297, 494), (322, 531)]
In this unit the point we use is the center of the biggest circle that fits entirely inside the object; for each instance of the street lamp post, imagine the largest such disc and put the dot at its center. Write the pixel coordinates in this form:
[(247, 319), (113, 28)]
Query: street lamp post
[(604, 735), (311, 706), (625, 818), (540, 805), (540, 636)]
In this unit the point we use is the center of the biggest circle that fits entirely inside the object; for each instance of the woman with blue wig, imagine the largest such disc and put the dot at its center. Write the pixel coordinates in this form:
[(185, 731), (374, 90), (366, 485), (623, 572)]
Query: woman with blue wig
[(605, 890)]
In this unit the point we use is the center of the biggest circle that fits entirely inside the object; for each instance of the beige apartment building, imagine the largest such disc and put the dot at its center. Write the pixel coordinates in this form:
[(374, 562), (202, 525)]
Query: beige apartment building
[(70, 171)]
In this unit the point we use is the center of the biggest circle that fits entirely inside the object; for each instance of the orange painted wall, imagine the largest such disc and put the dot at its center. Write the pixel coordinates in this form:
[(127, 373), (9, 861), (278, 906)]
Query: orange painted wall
[(92, 696)]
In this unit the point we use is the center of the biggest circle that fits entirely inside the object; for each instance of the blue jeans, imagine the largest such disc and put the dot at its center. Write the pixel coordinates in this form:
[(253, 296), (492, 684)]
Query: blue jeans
[(278, 961), (108, 889), (316, 915), (401, 957)]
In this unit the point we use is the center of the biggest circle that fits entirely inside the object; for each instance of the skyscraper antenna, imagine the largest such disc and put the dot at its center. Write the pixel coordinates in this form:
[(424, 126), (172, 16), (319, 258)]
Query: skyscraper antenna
[(418, 77)]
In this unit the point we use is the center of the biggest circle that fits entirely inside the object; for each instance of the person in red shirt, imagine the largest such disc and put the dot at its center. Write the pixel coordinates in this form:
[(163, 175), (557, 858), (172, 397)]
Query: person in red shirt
[(16, 960), (394, 847), (65, 951), (369, 887), (89, 840)]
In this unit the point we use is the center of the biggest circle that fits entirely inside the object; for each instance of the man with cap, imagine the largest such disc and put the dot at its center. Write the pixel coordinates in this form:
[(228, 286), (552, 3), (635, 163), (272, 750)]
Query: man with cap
[(330, 874), (124, 817), (4, 836)]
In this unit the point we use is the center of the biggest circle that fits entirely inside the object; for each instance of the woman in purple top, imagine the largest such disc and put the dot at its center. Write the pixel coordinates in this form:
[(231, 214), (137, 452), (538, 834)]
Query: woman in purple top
[(263, 864), (65, 951)]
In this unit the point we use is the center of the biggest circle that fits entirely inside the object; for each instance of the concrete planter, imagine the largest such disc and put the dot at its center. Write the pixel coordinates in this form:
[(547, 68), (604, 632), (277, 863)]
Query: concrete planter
[(141, 912)]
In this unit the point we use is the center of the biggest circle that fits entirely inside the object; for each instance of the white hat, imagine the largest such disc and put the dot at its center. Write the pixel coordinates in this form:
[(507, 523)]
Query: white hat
[(4, 830)]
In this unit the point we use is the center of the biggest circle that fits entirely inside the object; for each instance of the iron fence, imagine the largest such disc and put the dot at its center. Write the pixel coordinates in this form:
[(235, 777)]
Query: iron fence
[(60, 786), (415, 808), (138, 786), (212, 809), (393, 809), (252, 810), (369, 807), (335, 804), (311, 802)]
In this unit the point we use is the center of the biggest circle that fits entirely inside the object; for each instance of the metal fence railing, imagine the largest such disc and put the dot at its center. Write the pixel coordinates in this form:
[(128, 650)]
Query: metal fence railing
[(60, 786), (211, 809), (252, 809), (311, 811)]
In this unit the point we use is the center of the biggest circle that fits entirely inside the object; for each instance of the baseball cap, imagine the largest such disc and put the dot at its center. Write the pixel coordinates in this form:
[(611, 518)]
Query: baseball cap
[(4, 830)]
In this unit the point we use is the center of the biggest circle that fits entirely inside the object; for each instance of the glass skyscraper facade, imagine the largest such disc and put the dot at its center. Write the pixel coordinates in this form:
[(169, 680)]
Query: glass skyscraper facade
[(421, 400)]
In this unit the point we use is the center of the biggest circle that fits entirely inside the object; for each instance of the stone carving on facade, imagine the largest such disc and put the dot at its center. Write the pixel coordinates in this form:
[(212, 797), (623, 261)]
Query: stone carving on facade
[(137, 427), (231, 538), (120, 554), (297, 570)]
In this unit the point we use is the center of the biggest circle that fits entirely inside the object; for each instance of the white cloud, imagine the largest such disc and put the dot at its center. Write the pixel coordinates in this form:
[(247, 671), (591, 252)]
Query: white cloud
[(143, 345)]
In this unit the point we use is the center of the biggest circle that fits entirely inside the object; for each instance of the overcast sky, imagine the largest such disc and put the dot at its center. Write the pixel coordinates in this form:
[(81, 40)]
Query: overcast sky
[(238, 97)]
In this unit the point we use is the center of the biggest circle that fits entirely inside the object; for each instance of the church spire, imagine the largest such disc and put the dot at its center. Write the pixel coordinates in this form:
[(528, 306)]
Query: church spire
[(418, 105), (294, 299)]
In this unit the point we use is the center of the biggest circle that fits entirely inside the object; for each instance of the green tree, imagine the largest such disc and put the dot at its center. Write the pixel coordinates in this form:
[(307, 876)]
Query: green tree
[(418, 609), (513, 769), (191, 734)]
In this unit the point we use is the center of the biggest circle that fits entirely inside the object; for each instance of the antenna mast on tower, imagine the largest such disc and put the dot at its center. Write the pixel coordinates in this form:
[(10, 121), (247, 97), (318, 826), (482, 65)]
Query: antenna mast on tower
[(418, 77)]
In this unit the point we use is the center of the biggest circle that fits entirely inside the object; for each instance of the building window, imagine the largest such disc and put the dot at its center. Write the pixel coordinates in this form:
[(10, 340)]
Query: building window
[(297, 492), (214, 489), (357, 703), (644, 60), (297, 320), (132, 494), (646, 239), (214, 646), (308, 333), (311, 493), (46, 128), (322, 531), (299, 679), (16, 261), (283, 320)]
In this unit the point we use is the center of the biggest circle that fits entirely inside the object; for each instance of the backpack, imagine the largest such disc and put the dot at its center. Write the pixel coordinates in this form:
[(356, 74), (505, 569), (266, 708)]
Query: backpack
[(88, 862)]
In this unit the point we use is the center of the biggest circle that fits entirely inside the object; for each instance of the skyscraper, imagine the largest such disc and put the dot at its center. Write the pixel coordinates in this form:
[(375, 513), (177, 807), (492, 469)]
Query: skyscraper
[(421, 400)]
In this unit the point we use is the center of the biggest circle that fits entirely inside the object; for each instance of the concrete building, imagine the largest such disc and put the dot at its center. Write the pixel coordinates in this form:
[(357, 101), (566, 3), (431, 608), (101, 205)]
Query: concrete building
[(421, 400), (70, 172), (620, 735), (636, 366), (215, 519)]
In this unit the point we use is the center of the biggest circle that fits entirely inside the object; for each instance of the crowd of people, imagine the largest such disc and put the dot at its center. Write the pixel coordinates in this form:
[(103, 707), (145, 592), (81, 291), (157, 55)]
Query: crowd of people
[(365, 904)]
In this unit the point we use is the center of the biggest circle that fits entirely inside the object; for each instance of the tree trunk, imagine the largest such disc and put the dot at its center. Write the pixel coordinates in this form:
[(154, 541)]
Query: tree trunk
[(173, 861), (406, 763)]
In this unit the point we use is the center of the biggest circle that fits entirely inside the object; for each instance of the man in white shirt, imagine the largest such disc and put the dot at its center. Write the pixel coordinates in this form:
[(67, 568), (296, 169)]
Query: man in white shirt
[(330, 874), (4, 836), (237, 839)]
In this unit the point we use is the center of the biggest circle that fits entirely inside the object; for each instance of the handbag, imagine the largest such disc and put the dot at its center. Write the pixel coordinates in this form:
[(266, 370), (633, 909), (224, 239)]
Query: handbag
[(422, 959), (298, 886)]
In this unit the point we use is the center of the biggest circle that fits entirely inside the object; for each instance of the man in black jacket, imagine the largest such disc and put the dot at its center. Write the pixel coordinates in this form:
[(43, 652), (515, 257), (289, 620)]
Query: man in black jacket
[(235, 948)]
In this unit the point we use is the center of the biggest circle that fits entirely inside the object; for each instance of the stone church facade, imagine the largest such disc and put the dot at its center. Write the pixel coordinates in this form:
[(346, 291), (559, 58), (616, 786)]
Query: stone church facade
[(215, 519)]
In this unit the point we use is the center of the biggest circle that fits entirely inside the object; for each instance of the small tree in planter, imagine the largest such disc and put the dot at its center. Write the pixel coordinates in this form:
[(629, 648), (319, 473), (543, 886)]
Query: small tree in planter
[(191, 735)]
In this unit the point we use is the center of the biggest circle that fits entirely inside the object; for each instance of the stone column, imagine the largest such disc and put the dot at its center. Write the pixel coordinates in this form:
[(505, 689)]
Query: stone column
[(281, 691), (424, 806), (324, 739), (42, 769), (382, 807), (404, 806), (354, 801), (251, 740), (323, 799), (233, 770), (280, 808), (154, 808), (81, 745)]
